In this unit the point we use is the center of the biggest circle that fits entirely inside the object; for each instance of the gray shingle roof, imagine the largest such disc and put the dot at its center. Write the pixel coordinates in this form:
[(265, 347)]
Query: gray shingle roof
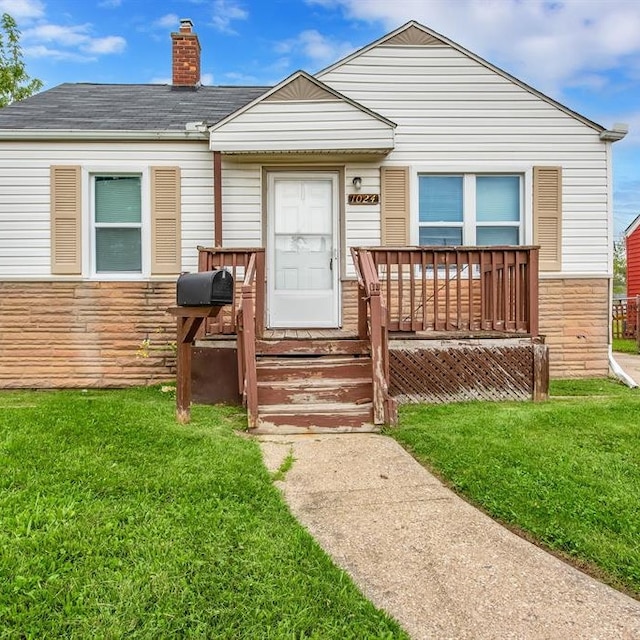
[(122, 107)]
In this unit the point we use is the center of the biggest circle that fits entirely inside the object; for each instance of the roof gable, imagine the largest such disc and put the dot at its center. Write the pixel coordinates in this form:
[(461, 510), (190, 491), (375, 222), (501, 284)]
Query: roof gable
[(301, 87), (303, 115), (633, 227), (414, 34)]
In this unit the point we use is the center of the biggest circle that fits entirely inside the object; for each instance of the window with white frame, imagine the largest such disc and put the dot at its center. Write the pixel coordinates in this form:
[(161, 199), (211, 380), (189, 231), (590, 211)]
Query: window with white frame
[(470, 209), (117, 223)]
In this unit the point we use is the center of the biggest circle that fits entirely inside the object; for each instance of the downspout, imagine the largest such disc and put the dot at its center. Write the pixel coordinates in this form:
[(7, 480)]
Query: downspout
[(610, 136), (217, 199), (619, 373)]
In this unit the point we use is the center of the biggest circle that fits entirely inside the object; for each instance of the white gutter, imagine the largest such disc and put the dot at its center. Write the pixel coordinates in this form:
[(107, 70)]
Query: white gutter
[(619, 372), (96, 134), (619, 131)]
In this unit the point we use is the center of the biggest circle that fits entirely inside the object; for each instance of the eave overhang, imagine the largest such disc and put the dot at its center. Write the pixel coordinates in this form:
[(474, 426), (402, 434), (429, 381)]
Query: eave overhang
[(60, 135)]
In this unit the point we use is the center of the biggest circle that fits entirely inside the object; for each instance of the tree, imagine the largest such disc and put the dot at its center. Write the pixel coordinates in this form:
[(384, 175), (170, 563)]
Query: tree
[(15, 82), (619, 267)]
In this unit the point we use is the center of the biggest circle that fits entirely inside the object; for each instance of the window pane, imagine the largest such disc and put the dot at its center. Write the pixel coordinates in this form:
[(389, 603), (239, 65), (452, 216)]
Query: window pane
[(497, 236), (498, 198), (118, 250), (439, 236), (440, 198), (117, 198)]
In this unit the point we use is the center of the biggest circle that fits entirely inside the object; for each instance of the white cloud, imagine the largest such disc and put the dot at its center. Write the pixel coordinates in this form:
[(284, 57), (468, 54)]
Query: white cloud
[(77, 37), (110, 44), (110, 4), (169, 21), (225, 12), (22, 9), (313, 45), (42, 51), (65, 36), (206, 79)]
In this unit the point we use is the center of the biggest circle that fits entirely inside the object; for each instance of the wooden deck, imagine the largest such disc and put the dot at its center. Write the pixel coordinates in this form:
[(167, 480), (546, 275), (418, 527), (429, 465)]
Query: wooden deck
[(309, 334), (435, 324)]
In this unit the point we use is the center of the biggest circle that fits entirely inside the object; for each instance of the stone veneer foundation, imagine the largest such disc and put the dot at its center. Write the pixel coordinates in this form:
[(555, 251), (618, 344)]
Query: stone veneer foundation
[(85, 334), (574, 318), (118, 334)]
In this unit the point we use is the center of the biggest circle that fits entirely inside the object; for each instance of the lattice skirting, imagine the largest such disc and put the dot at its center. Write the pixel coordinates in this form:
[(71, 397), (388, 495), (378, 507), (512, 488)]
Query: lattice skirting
[(459, 371)]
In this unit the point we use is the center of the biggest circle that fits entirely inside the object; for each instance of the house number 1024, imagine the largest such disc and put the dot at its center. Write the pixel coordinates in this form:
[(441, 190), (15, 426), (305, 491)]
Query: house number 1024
[(364, 198)]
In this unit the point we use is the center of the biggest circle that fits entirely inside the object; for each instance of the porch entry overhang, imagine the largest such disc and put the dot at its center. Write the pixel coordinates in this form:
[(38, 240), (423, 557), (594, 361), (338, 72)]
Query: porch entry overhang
[(302, 115)]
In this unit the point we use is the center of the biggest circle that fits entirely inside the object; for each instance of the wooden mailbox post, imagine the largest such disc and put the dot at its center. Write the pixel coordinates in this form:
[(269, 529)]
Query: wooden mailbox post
[(189, 320)]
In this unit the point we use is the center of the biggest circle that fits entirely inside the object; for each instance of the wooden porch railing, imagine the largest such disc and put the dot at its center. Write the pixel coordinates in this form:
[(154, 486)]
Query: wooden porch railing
[(459, 289), (246, 330), (372, 326), (236, 261)]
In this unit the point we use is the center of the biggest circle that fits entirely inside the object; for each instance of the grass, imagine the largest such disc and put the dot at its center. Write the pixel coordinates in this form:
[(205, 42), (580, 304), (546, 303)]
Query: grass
[(564, 472), (115, 522), (624, 345)]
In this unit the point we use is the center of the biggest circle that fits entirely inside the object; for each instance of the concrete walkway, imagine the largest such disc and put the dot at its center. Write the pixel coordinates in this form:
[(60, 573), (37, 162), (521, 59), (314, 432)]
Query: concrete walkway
[(440, 567), (630, 364)]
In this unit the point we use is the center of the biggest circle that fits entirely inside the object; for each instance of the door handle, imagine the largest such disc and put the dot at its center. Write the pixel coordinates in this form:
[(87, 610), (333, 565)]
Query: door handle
[(330, 264)]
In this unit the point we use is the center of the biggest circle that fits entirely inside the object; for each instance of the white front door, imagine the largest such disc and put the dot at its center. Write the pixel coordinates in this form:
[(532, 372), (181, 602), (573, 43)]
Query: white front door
[(302, 250)]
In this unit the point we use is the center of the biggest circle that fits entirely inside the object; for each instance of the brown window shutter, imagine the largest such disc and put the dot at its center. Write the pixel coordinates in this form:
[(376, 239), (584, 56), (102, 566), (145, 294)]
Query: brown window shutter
[(547, 216), (66, 220), (165, 220), (395, 219)]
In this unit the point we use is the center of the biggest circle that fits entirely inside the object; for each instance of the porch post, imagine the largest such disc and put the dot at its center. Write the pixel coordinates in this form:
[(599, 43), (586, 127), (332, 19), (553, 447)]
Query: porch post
[(540, 371), (533, 288), (217, 199)]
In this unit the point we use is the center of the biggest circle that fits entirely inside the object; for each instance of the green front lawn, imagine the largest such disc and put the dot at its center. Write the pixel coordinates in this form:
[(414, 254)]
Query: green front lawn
[(566, 472), (117, 522), (624, 345)]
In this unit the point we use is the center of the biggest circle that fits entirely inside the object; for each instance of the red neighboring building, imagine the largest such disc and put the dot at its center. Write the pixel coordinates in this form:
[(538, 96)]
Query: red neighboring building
[(632, 241)]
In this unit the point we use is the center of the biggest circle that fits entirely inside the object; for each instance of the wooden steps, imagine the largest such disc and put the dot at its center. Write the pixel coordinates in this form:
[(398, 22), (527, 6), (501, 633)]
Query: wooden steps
[(314, 386)]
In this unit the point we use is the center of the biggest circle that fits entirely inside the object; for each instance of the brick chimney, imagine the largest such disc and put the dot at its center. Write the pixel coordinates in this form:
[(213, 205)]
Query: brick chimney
[(185, 57)]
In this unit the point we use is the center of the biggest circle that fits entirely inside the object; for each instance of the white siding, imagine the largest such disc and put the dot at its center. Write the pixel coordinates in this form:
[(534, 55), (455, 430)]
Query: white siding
[(25, 205), (242, 220), (452, 111), (241, 205), (302, 125)]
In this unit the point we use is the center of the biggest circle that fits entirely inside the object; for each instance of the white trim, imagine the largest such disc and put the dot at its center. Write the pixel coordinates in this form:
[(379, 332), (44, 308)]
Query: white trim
[(558, 275), (88, 235), (80, 279), (635, 223), (334, 176), (610, 223), (468, 222), (41, 135)]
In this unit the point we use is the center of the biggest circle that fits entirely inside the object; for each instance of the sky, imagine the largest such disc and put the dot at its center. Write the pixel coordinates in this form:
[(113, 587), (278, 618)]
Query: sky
[(583, 53)]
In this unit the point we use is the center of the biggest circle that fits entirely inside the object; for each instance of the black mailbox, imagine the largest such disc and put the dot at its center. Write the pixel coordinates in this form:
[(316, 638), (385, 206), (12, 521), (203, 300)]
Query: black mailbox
[(205, 288)]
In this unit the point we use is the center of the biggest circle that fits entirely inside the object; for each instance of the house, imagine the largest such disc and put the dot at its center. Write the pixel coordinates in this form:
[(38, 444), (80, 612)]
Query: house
[(626, 311), (632, 245), (107, 191)]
